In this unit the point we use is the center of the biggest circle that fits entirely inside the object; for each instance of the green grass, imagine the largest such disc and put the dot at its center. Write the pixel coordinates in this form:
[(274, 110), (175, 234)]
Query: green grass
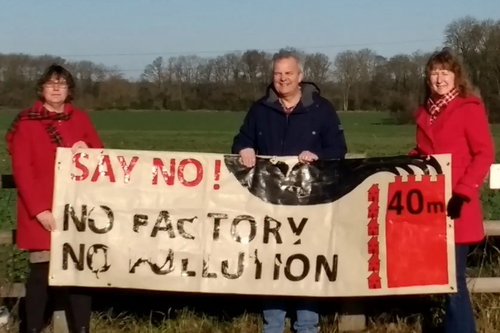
[(213, 132)]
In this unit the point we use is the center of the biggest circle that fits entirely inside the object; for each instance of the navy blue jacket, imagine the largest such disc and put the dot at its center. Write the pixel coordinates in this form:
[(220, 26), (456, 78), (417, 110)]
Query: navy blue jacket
[(313, 125)]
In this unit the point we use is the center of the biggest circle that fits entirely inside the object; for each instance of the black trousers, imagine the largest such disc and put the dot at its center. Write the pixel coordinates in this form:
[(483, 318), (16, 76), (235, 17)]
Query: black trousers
[(76, 302)]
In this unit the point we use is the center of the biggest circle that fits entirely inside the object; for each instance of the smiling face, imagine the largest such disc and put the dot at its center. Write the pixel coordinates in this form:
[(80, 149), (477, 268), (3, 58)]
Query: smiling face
[(287, 76), (441, 80)]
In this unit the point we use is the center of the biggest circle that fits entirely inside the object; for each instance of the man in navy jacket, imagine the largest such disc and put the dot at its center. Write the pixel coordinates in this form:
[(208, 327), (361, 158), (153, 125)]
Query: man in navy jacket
[(292, 119)]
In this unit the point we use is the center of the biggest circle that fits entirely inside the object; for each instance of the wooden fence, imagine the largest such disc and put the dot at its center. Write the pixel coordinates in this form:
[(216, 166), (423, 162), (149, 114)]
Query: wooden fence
[(352, 316)]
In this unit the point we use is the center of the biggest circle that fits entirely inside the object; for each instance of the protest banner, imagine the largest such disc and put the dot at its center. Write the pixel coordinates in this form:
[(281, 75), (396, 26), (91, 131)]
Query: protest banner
[(203, 223)]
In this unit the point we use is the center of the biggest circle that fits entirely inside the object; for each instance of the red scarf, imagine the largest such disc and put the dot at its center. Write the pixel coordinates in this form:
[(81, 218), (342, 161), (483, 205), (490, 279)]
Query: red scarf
[(39, 113), (436, 105)]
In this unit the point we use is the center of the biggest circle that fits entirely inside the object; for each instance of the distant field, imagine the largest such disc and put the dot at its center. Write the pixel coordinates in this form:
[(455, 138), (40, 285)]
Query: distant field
[(213, 132), (367, 132)]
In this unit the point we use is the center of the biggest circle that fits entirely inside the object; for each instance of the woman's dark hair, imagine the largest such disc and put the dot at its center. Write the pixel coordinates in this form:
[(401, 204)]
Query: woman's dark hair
[(59, 73), (446, 59)]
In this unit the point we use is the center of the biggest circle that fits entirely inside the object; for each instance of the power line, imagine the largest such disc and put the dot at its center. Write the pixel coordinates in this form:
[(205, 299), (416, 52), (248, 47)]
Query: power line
[(332, 46)]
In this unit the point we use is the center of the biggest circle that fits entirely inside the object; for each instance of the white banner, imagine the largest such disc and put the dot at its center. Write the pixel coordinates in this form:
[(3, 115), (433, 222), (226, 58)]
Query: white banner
[(194, 222)]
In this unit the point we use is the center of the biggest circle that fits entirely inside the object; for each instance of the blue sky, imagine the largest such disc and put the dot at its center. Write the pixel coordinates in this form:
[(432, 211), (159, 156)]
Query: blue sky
[(132, 33)]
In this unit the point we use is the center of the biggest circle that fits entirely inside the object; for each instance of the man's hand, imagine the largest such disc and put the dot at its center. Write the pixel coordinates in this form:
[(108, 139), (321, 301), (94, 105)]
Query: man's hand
[(307, 156), (247, 157), (47, 220), (78, 145)]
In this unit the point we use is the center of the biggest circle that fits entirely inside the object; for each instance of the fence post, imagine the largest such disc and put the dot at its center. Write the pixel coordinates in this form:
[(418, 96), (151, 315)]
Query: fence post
[(59, 323), (352, 316)]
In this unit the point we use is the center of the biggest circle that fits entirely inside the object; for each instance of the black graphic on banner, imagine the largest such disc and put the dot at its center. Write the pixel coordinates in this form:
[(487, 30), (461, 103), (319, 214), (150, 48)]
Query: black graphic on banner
[(318, 182)]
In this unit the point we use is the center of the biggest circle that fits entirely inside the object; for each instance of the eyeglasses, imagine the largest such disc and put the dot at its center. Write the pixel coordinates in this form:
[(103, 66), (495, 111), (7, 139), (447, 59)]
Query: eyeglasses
[(52, 84)]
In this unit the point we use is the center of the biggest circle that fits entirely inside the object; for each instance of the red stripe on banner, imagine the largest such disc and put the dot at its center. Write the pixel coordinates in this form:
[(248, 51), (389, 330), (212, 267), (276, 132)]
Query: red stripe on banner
[(374, 281), (416, 229)]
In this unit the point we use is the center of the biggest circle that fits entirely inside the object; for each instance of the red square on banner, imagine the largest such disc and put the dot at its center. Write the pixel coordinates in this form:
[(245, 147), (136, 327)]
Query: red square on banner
[(416, 229)]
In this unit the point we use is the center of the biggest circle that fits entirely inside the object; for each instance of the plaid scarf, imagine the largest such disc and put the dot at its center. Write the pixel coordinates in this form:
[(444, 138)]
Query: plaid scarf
[(436, 105), (40, 113)]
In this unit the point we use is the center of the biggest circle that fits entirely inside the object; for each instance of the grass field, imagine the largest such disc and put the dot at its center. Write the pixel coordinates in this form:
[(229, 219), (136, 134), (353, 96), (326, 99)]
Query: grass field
[(368, 133)]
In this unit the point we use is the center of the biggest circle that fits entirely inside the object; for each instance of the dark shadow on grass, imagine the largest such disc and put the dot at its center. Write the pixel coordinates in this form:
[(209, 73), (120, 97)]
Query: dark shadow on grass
[(157, 306), (386, 121)]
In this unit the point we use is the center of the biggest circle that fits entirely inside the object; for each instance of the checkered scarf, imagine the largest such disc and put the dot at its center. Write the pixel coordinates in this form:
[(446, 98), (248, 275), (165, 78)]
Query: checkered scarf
[(436, 105), (40, 113)]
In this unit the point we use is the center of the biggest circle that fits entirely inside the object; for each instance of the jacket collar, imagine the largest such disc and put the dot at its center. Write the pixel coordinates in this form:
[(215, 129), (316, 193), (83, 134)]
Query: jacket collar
[(38, 107), (309, 91), (423, 116)]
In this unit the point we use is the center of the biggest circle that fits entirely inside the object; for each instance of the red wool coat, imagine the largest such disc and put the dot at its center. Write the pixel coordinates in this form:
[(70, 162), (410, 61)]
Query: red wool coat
[(33, 159), (462, 130)]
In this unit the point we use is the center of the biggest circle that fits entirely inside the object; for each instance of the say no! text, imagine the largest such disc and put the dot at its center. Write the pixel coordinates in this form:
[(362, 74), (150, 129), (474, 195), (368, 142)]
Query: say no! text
[(187, 172)]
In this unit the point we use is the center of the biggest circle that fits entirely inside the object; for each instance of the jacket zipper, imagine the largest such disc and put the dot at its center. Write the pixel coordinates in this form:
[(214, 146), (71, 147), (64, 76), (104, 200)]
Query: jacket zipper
[(284, 134)]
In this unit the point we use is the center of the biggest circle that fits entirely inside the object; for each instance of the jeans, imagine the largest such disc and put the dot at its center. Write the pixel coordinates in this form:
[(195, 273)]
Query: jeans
[(459, 314), (275, 312)]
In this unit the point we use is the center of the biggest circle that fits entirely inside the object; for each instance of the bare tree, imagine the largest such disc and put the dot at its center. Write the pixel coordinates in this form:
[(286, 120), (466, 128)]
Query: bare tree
[(357, 79), (317, 68), (346, 69)]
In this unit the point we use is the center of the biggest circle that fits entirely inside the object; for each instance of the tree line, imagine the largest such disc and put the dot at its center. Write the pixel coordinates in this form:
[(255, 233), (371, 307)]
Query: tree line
[(353, 80)]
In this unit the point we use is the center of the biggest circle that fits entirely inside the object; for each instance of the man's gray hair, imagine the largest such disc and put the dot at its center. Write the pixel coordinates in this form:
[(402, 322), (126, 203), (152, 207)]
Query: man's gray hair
[(287, 54)]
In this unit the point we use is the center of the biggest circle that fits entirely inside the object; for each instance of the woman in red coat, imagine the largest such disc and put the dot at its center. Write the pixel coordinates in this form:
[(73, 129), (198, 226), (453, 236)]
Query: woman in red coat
[(454, 121), (32, 141)]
